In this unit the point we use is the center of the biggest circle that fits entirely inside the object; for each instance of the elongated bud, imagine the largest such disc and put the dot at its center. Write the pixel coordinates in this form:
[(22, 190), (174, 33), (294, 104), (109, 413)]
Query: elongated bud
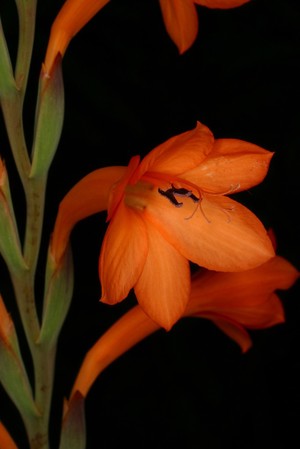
[(12, 372), (73, 428), (58, 295), (48, 120), (10, 247), (71, 18)]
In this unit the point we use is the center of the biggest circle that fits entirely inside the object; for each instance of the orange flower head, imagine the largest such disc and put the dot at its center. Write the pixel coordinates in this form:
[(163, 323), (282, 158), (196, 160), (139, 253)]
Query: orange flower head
[(181, 18), (71, 18), (233, 301), (169, 209)]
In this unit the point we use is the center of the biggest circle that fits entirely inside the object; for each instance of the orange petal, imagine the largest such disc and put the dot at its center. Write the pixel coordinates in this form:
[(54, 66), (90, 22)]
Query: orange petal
[(88, 196), (219, 233), (232, 165), (71, 18), (243, 299), (163, 287), (179, 153), (131, 328), (232, 292), (123, 254), (234, 331), (222, 4), (6, 441), (117, 192), (265, 312), (181, 21)]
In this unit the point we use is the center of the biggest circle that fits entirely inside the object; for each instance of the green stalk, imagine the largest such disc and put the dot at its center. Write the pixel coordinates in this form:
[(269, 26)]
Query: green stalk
[(12, 93), (44, 366)]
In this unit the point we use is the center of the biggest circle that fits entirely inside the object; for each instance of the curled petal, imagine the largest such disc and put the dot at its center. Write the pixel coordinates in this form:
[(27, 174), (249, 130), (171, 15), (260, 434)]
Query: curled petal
[(221, 4), (179, 153), (181, 21), (218, 233), (71, 18), (232, 165), (123, 254), (89, 196), (163, 287), (234, 331)]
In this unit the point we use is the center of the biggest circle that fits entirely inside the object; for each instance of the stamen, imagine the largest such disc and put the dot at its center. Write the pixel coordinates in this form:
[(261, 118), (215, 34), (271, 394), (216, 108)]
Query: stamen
[(198, 206), (170, 195), (181, 191), (233, 188), (187, 189)]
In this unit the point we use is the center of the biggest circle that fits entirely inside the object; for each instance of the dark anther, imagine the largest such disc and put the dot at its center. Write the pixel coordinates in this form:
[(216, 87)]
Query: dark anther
[(169, 193)]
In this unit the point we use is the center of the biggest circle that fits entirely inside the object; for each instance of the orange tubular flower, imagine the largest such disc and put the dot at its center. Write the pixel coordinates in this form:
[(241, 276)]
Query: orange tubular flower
[(169, 209), (71, 18), (233, 301), (181, 18)]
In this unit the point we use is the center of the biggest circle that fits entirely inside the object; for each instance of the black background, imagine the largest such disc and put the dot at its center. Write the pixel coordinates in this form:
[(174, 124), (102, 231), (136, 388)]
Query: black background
[(127, 90)]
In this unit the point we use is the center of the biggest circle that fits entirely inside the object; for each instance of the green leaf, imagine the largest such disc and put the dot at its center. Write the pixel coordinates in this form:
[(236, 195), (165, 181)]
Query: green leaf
[(27, 19), (48, 120), (10, 247), (7, 81), (73, 434), (58, 296), (14, 378)]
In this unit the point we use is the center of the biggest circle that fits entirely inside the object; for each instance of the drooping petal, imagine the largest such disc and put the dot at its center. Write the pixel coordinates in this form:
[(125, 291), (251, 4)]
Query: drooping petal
[(232, 165), (179, 153), (163, 287), (247, 299), (217, 233), (89, 196), (71, 18), (181, 21), (214, 296), (123, 254), (222, 4), (233, 293), (234, 331)]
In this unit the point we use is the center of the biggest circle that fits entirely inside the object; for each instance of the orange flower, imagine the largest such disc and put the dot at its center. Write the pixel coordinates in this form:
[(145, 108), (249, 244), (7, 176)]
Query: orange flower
[(71, 18), (181, 19), (169, 209), (233, 301)]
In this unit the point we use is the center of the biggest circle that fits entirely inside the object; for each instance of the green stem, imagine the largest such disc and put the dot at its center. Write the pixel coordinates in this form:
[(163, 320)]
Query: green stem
[(25, 286), (43, 355), (35, 199), (44, 366), (24, 292)]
